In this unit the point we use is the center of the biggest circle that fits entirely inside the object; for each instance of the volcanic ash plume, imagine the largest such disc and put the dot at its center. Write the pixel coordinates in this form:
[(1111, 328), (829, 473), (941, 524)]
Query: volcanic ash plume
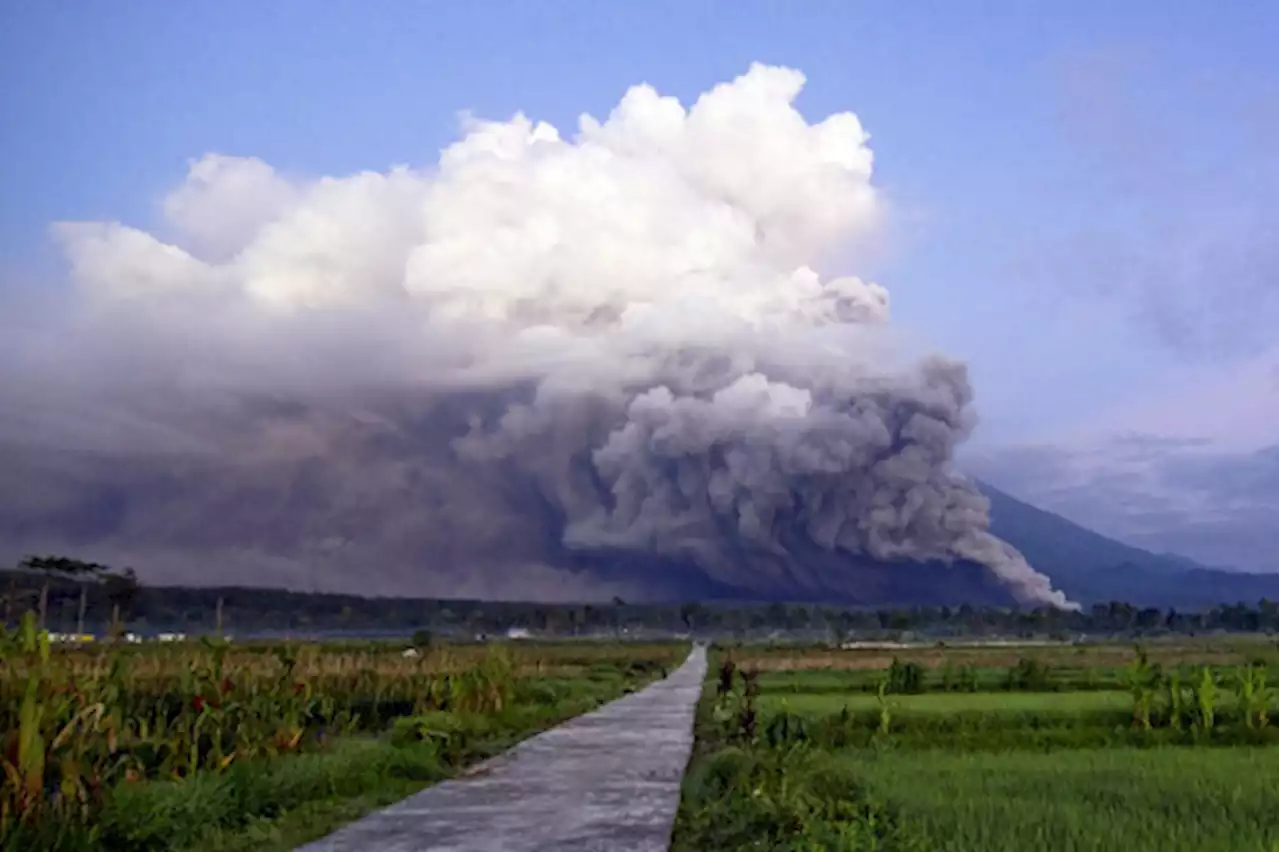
[(621, 343)]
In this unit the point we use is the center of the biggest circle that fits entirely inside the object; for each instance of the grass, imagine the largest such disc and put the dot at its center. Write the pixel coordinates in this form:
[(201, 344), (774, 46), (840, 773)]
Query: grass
[(1057, 679), (1047, 703), (310, 821), (776, 766), (1083, 800), (279, 805), (260, 805), (305, 798), (1219, 651)]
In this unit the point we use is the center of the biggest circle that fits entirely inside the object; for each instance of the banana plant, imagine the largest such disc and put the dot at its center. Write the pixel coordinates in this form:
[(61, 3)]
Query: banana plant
[(1144, 680), (1175, 701), (1206, 696), (1253, 695)]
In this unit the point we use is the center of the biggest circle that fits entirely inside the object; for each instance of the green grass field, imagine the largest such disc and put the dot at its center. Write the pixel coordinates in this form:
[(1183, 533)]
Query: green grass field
[(1065, 703), (802, 758), (1129, 800)]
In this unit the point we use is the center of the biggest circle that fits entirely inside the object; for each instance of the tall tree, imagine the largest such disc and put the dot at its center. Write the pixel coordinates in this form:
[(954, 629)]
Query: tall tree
[(61, 567), (122, 592)]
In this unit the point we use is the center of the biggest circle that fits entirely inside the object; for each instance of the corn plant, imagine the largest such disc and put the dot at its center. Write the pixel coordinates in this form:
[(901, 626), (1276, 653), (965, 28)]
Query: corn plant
[(76, 721)]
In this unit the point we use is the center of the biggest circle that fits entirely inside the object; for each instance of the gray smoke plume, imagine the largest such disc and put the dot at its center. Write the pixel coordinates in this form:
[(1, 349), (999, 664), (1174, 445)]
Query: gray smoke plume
[(476, 379)]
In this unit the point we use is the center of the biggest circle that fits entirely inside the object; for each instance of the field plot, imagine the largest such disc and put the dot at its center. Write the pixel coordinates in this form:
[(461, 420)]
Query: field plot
[(994, 657), (1068, 703), (1153, 751), (1087, 799), (217, 747)]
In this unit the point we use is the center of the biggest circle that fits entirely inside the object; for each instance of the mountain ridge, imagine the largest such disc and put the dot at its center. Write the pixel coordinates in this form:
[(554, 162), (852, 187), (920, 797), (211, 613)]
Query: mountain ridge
[(1091, 568)]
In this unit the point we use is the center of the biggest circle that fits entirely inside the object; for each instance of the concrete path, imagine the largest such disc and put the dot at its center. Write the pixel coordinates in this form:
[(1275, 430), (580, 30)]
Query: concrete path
[(607, 780)]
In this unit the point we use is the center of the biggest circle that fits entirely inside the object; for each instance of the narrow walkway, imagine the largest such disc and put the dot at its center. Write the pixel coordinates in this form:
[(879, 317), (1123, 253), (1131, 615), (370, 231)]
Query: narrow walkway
[(607, 780)]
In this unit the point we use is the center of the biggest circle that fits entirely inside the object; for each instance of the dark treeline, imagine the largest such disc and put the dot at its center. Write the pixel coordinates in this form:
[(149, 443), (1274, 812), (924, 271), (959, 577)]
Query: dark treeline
[(81, 596)]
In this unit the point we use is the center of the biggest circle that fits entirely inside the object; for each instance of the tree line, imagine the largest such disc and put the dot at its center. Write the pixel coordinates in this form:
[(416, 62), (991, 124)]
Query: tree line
[(69, 594), (42, 581)]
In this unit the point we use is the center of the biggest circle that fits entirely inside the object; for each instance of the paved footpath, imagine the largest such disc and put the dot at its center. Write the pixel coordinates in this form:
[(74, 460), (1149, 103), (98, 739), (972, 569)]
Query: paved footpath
[(607, 780)]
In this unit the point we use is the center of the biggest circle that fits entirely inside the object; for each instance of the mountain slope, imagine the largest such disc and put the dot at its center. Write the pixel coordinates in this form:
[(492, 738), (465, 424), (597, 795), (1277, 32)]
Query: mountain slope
[(1091, 568), (1059, 546)]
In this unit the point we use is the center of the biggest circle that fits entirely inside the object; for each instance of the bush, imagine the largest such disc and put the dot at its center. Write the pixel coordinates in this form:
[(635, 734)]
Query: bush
[(1029, 675), (905, 678), (782, 799)]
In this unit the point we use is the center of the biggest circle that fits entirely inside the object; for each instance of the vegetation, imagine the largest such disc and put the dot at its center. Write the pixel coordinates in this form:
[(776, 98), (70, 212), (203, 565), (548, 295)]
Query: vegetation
[(1174, 756), (1110, 798), (75, 596), (190, 745), (846, 729)]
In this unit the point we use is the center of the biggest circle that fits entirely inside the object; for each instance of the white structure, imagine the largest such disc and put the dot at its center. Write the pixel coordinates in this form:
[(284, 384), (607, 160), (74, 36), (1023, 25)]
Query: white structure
[(70, 637)]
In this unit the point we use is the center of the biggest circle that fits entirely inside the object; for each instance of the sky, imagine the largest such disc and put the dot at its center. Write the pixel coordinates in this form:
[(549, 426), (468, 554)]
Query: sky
[(1078, 194)]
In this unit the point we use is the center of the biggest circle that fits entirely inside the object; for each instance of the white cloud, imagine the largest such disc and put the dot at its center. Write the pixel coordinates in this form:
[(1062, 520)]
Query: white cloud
[(224, 202)]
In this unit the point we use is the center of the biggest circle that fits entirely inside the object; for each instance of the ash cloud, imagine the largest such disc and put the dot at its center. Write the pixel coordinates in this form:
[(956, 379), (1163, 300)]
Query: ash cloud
[(468, 379)]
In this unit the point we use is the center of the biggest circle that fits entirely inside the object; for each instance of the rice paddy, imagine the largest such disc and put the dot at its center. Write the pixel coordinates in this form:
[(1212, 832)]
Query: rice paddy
[(1083, 799), (1118, 748), (822, 704)]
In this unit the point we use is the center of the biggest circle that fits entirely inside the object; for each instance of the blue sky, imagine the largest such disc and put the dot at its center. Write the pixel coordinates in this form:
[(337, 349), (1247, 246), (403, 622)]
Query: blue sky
[(1080, 191)]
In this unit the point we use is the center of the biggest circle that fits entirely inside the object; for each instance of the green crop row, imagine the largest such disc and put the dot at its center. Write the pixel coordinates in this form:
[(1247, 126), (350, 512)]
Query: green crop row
[(1026, 675), (1129, 773)]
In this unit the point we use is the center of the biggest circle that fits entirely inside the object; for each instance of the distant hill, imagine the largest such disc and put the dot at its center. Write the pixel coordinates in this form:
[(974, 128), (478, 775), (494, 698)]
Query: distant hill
[(1064, 549), (1090, 567)]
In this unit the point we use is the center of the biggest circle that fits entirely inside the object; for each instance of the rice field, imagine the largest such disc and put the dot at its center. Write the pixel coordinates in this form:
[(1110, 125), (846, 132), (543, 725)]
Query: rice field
[(1083, 800), (824, 704), (1126, 750)]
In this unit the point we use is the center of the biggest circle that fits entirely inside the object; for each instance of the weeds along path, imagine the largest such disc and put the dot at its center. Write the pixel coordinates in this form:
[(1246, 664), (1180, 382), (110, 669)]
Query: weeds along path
[(607, 780)]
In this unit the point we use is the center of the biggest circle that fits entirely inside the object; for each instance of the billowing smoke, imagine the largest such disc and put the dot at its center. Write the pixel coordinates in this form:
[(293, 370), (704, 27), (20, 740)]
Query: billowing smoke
[(620, 349)]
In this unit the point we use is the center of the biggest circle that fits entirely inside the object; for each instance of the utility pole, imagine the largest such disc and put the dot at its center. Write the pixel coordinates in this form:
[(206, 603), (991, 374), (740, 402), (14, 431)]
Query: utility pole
[(84, 601)]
